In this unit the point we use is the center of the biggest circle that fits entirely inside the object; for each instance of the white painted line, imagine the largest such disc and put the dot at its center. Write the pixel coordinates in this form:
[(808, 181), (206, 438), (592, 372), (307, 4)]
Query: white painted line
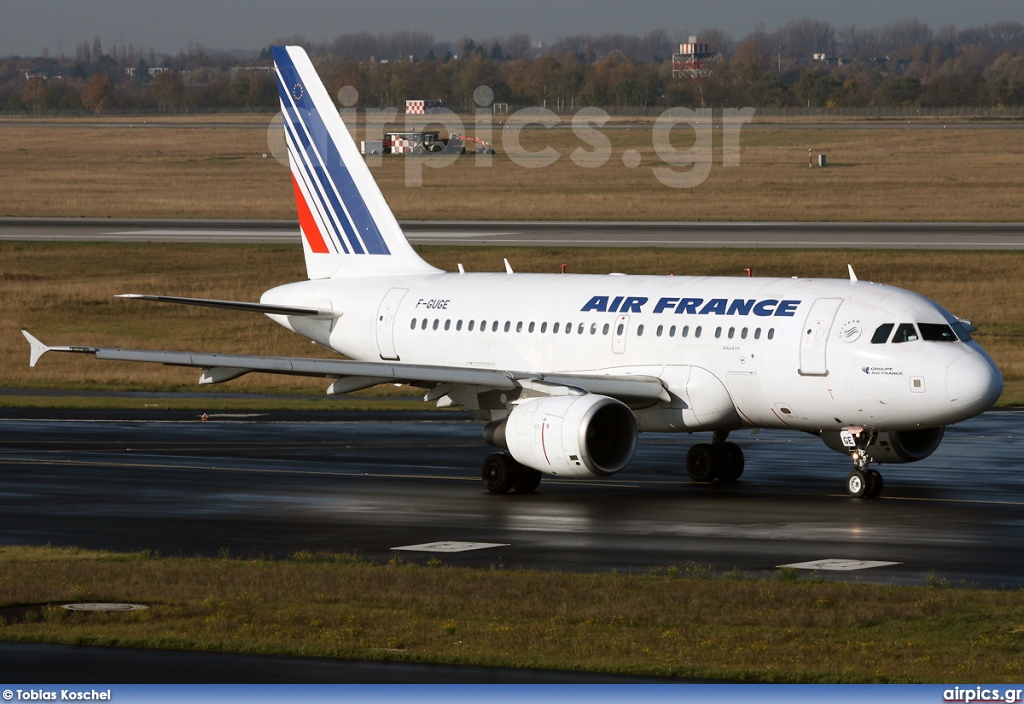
[(450, 546), (839, 565)]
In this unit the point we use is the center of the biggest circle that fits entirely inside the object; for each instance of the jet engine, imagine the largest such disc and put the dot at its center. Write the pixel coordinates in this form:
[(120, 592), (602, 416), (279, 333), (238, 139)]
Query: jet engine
[(894, 447), (568, 436)]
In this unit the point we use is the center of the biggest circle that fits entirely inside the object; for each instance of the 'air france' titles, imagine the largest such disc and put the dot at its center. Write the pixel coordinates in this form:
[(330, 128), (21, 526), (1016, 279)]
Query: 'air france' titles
[(694, 306)]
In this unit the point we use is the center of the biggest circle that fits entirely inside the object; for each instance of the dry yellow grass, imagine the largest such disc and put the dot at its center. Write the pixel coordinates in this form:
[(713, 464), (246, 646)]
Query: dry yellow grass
[(206, 170), (64, 294)]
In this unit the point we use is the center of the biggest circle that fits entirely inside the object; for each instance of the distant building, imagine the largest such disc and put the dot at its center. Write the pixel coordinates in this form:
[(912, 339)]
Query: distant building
[(694, 60)]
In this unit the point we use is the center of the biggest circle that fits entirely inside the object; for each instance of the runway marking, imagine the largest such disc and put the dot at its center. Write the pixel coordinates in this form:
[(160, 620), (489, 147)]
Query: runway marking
[(835, 565), (450, 546)]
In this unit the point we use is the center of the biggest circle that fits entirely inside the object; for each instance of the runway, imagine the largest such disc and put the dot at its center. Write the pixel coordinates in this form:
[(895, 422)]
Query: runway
[(817, 235), (275, 484)]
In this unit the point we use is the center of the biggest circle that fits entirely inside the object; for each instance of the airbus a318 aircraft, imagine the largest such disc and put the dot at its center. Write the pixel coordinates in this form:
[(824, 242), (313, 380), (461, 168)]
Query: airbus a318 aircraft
[(566, 370)]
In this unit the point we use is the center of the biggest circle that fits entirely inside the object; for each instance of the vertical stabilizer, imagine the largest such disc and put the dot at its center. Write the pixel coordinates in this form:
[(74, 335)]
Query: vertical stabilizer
[(348, 228)]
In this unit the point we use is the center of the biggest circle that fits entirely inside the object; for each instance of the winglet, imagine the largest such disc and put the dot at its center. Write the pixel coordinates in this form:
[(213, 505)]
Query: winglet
[(38, 348)]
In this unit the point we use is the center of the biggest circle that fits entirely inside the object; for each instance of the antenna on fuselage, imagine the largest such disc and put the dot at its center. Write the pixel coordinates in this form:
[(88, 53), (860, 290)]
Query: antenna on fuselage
[(853, 276)]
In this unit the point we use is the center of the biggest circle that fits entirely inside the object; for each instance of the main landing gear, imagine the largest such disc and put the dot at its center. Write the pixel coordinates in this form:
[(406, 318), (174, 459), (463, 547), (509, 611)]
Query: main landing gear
[(502, 474), (863, 482), (721, 460)]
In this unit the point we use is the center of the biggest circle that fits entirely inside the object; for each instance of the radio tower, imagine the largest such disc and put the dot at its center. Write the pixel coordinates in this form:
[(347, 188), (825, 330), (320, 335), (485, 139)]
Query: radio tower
[(694, 60)]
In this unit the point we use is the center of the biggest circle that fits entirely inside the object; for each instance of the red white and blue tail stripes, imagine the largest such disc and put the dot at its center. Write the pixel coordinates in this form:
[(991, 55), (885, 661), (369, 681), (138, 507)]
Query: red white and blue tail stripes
[(341, 210)]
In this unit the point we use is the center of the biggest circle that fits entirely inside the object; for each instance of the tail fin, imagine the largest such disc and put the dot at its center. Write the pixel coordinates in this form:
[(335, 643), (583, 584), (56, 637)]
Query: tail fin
[(347, 227)]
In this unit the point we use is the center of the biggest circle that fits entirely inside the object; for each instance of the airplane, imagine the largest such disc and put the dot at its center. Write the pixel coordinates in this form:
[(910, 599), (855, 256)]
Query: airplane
[(566, 370)]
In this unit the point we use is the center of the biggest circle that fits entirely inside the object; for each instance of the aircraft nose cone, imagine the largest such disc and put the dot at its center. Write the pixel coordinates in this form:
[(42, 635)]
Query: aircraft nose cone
[(973, 382)]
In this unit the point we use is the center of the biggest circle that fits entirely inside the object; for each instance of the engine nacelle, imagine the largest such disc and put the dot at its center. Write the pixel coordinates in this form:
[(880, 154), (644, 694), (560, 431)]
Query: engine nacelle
[(895, 447), (568, 436)]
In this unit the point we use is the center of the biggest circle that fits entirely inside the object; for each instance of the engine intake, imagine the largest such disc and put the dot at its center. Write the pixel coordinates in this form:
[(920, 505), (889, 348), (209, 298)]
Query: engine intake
[(568, 436)]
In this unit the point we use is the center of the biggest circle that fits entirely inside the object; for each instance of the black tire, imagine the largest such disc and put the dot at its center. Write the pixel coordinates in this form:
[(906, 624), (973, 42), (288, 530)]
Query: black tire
[(528, 481), (730, 462), (700, 463), (499, 472), (857, 484), (875, 484)]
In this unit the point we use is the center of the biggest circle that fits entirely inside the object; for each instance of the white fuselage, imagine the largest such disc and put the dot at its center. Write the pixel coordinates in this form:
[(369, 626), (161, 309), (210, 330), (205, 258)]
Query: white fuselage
[(732, 352)]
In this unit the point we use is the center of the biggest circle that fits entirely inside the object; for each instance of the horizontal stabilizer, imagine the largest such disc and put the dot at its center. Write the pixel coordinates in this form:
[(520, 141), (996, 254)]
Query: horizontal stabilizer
[(265, 308)]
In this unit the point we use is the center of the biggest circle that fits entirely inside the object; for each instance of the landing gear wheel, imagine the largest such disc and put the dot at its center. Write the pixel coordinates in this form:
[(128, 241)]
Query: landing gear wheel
[(528, 481), (857, 484), (729, 466), (500, 472), (875, 483), (700, 463)]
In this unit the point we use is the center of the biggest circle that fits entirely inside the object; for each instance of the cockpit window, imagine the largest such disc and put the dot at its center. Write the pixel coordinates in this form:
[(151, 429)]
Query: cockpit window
[(937, 332), (961, 331), (881, 334), (906, 332)]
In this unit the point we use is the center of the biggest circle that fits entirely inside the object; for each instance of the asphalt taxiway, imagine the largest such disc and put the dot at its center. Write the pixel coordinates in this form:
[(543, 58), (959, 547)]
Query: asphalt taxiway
[(830, 235), (275, 484)]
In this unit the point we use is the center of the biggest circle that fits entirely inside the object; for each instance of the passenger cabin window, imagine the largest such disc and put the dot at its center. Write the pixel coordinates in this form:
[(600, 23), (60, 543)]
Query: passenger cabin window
[(937, 332), (906, 332), (881, 335)]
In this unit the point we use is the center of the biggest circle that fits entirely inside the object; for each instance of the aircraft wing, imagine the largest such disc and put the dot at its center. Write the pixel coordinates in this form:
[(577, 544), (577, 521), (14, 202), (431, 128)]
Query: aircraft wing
[(354, 375)]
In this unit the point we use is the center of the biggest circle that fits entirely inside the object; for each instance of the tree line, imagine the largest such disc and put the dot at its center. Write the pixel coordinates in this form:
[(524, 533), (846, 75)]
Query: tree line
[(803, 63)]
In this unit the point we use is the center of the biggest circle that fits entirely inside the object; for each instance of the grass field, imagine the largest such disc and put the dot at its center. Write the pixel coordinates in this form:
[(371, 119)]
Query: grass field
[(681, 621), (198, 169), (63, 293)]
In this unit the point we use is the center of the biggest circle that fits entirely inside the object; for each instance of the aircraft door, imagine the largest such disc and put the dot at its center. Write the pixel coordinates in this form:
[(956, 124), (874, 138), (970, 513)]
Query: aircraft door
[(619, 334), (386, 323), (814, 336)]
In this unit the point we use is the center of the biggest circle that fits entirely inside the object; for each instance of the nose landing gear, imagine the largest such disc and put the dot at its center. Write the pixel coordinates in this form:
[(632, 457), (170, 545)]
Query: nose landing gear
[(863, 482)]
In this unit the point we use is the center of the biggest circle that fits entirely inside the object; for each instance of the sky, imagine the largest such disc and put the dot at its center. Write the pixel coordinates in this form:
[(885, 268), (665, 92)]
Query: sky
[(29, 26)]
